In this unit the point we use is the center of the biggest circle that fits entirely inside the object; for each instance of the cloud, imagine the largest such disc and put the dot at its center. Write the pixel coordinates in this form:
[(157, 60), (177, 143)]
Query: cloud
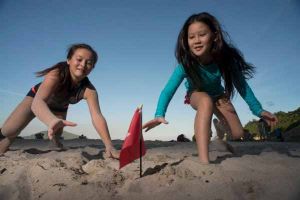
[(270, 103), (11, 92)]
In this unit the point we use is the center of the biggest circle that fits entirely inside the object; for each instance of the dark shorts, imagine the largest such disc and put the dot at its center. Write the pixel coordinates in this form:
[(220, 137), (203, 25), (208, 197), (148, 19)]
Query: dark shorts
[(187, 98), (32, 93), (1, 135)]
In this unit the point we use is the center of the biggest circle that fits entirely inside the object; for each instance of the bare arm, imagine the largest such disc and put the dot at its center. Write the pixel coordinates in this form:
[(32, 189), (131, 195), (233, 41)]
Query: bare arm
[(165, 97), (39, 105), (40, 108), (98, 120)]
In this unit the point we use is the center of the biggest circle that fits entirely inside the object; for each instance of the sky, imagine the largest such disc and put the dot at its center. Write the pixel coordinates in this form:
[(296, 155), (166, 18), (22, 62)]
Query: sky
[(135, 41)]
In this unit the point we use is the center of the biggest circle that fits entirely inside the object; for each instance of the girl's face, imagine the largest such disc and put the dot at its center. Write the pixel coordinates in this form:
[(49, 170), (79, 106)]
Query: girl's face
[(81, 64), (200, 40)]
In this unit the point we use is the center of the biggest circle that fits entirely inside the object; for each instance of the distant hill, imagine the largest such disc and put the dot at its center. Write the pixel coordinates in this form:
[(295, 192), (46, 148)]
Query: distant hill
[(292, 135), (66, 135)]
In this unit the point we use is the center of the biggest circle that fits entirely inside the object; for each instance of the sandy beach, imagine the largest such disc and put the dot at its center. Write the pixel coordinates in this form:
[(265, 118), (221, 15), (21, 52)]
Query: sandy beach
[(33, 169)]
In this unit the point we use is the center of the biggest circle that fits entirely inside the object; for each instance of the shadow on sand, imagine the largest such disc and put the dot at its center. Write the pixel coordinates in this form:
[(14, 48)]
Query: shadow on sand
[(256, 148)]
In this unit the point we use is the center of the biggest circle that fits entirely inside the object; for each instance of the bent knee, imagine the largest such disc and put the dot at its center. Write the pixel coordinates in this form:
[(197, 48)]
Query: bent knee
[(237, 134), (201, 101), (10, 132), (206, 105)]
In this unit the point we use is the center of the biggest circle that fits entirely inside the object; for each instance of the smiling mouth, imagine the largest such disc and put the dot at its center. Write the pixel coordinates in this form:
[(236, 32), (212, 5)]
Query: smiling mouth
[(198, 48), (81, 70)]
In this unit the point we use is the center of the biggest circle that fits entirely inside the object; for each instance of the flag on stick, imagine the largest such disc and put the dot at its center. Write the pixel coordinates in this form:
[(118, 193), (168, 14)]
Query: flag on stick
[(133, 146)]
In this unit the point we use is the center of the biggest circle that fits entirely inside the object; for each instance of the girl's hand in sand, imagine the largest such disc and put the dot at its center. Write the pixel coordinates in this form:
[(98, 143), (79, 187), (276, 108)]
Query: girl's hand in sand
[(154, 122), (112, 153), (57, 124), (270, 118)]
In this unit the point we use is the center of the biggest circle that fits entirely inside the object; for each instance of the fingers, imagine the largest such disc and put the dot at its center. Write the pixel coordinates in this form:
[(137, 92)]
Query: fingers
[(115, 154), (165, 121), (57, 125), (68, 123), (276, 119), (149, 128), (153, 123), (274, 122), (150, 124), (50, 134), (270, 118), (270, 122), (147, 124)]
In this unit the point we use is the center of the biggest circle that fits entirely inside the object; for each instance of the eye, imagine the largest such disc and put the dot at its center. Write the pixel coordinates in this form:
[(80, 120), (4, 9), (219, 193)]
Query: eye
[(89, 64)]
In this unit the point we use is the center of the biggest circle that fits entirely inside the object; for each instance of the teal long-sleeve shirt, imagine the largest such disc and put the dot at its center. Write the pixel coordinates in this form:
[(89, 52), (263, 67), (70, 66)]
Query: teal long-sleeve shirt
[(211, 84)]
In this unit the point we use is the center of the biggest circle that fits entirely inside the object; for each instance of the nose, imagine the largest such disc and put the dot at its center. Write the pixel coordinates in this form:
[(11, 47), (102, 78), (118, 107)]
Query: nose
[(197, 39)]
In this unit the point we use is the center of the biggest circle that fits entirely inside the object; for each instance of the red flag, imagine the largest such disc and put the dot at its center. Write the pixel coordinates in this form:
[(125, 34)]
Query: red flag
[(131, 148)]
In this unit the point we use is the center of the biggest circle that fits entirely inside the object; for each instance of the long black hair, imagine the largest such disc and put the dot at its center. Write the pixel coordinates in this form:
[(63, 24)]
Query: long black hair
[(228, 58), (63, 67)]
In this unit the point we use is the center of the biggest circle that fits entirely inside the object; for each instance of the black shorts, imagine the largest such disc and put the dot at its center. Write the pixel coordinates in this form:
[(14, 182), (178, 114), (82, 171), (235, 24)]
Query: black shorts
[(32, 93)]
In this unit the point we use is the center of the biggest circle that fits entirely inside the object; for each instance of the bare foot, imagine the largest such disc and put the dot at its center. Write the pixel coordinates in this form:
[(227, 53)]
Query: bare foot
[(204, 162)]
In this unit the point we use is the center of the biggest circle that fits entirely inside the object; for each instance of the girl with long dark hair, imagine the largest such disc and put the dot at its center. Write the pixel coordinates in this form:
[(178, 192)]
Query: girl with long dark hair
[(205, 57), (64, 83)]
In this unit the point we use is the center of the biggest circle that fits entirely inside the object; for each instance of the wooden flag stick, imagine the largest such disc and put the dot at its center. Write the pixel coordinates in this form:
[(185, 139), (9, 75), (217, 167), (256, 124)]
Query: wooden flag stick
[(141, 170)]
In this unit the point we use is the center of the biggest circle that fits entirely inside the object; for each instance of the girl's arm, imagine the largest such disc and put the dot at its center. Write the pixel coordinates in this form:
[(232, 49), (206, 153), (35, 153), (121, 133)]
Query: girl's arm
[(39, 105), (98, 119), (40, 108), (247, 94), (165, 97), (169, 90)]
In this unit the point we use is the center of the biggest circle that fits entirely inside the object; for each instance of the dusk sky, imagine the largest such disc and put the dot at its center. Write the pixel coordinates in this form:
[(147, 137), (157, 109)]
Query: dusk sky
[(135, 41)]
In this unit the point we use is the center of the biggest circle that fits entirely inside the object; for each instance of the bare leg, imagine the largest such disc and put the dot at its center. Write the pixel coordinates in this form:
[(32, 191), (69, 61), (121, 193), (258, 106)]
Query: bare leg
[(228, 117), (203, 104), (219, 128), (16, 122)]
